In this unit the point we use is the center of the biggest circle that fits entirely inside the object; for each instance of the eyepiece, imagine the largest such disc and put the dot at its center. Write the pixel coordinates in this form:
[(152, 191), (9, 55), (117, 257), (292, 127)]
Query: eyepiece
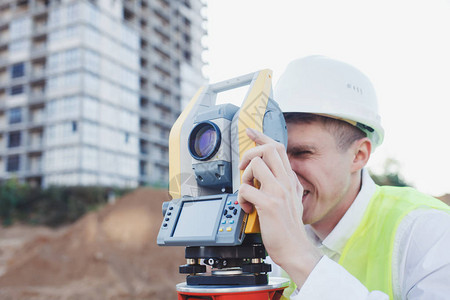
[(204, 140)]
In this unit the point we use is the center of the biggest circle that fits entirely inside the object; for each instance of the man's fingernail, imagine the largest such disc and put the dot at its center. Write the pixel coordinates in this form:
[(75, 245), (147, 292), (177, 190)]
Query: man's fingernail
[(251, 132)]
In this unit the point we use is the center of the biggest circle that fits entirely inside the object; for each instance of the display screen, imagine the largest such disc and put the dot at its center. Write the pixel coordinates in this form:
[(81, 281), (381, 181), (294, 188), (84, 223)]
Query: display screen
[(198, 218)]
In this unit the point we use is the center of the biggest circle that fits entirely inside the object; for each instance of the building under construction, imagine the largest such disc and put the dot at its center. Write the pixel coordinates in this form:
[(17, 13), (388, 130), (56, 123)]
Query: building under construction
[(90, 89)]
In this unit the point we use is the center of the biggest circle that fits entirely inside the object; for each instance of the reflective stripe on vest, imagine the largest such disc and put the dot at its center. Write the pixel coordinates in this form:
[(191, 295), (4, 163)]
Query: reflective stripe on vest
[(367, 255)]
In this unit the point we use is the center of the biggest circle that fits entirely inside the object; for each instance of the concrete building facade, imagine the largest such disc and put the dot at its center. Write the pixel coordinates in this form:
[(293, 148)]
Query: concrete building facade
[(90, 89)]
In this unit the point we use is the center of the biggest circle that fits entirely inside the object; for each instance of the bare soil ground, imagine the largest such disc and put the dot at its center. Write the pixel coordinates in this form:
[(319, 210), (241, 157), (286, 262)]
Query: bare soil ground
[(109, 254), (445, 198)]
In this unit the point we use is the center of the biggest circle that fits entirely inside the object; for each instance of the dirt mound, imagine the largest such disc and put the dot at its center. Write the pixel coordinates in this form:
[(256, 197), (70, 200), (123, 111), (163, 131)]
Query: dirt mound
[(445, 198), (110, 254)]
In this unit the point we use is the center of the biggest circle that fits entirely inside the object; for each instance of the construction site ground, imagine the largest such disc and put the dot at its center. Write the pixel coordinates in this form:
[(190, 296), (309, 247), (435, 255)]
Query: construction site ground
[(107, 254)]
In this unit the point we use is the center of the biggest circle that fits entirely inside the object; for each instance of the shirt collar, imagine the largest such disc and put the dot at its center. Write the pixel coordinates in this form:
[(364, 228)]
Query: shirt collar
[(338, 237)]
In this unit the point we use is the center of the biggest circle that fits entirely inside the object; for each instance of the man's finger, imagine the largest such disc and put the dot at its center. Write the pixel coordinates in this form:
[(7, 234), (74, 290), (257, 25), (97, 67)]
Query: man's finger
[(271, 157), (257, 169), (262, 139), (258, 137), (248, 197)]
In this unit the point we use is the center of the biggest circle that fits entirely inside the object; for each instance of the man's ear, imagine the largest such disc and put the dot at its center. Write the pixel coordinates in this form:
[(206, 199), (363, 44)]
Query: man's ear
[(361, 151)]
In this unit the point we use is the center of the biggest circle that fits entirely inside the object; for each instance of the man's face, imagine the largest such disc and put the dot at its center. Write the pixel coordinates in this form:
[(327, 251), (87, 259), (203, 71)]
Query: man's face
[(323, 170)]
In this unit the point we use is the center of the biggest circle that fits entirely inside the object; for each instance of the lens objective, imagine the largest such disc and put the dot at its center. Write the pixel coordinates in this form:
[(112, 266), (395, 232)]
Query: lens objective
[(204, 140)]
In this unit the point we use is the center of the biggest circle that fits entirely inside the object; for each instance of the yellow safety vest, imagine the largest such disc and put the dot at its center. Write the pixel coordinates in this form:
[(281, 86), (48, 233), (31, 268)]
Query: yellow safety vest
[(367, 255)]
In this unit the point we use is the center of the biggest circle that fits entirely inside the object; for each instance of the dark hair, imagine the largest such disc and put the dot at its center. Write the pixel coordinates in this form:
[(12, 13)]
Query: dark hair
[(344, 133)]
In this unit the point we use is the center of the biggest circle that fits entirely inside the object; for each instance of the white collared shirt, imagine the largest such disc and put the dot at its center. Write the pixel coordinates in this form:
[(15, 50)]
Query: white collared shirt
[(421, 256)]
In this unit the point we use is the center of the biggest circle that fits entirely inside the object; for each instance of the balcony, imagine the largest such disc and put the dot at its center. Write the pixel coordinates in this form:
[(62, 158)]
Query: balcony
[(37, 116), (40, 29), (4, 81), (164, 83), (36, 98), (163, 47), (161, 5), (159, 140), (144, 128), (39, 50), (3, 60), (5, 18), (143, 171), (154, 95), (35, 145), (162, 66), (143, 151), (4, 37), (40, 9), (161, 160), (2, 104), (162, 14), (164, 122), (163, 31), (36, 125), (38, 74), (164, 102), (34, 167)]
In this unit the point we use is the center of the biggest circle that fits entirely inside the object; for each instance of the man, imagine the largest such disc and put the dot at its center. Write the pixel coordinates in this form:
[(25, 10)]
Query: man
[(323, 220)]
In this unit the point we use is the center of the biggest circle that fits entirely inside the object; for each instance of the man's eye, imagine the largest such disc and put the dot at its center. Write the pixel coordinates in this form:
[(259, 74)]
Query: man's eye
[(300, 153)]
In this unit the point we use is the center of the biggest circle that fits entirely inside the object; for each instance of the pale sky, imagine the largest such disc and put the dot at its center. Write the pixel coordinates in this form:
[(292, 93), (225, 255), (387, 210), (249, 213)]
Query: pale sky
[(403, 46)]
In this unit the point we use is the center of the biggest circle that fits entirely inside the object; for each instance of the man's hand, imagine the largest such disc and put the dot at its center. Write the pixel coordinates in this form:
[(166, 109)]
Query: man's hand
[(278, 202)]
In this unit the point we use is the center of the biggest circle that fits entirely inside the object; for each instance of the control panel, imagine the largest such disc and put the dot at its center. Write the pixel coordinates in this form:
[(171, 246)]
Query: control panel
[(215, 220), (229, 217)]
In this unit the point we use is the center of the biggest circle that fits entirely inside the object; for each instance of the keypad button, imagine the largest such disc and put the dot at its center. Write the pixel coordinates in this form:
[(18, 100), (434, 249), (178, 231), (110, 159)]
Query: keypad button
[(236, 202), (229, 216), (220, 229), (231, 221), (235, 211), (229, 203), (230, 207), (229, 228), (167, 219), (224, 222), (225, 212), (165, 225)]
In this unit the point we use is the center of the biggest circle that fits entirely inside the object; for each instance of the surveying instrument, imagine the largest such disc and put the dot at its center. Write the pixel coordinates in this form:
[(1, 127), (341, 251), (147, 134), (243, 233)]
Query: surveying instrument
[(206, 144)]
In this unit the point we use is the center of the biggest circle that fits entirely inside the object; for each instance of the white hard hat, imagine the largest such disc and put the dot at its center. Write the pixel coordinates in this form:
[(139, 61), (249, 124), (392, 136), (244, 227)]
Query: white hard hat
[(320, 85)]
